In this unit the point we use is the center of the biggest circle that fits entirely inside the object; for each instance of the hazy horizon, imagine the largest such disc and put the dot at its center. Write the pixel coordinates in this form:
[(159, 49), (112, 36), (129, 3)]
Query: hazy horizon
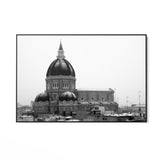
[(100, 62)]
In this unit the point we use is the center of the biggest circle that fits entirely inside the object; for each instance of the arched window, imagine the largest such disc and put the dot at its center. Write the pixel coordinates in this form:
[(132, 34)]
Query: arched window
[(52, 85), (55, 85), (65, 85)]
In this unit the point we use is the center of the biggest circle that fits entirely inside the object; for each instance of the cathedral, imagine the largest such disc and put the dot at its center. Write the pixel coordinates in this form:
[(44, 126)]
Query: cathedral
[(61, 96)]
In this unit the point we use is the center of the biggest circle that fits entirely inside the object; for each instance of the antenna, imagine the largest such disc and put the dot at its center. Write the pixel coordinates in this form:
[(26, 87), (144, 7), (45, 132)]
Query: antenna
[(139, 97)]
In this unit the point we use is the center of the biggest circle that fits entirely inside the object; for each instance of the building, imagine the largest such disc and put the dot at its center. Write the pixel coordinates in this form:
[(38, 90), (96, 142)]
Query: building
[(136, 109), (61, 95)]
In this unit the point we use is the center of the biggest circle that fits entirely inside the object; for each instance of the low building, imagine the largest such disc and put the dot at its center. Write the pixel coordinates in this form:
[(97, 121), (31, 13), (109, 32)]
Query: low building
[(136, 110)]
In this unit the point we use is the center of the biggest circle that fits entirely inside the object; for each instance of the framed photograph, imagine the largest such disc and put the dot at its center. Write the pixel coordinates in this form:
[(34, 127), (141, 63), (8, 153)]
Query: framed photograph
[(81, 78)]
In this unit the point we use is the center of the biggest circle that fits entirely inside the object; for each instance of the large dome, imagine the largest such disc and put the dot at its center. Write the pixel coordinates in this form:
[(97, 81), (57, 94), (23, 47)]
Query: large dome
[(60, 67)]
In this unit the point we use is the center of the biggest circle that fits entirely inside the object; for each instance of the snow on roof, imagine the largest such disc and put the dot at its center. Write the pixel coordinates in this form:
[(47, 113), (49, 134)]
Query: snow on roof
[(95, 89)]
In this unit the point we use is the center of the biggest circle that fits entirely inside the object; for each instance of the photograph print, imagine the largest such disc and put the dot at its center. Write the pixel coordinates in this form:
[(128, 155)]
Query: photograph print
[(81, 78)]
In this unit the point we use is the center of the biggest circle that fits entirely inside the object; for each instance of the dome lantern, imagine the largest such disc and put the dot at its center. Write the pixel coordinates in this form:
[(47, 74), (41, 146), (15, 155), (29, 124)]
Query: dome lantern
[(60, 52)]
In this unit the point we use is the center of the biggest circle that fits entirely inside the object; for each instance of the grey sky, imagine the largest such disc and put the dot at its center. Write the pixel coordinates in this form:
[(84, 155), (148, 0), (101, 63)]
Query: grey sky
[(100, 62)]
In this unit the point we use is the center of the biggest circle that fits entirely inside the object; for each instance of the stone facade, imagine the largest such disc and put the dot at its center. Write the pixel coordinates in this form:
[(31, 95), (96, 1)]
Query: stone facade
[(95, 96), (60, 78), (41, 107), (56, 85)]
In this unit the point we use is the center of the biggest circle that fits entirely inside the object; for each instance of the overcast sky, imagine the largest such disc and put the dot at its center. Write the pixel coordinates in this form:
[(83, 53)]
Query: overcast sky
[(100, 62)]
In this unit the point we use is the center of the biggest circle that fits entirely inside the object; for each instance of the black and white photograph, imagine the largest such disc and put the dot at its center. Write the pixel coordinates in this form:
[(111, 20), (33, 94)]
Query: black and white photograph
[(81, 78)]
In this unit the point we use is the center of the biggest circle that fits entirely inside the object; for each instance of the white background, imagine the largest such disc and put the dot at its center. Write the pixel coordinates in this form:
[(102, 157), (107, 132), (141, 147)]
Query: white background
[(77, 140)]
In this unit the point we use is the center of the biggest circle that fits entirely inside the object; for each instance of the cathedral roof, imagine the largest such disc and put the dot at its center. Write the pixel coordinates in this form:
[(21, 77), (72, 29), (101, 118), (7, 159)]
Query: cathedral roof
[(42, 97), (67, 96), (60, 66)]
